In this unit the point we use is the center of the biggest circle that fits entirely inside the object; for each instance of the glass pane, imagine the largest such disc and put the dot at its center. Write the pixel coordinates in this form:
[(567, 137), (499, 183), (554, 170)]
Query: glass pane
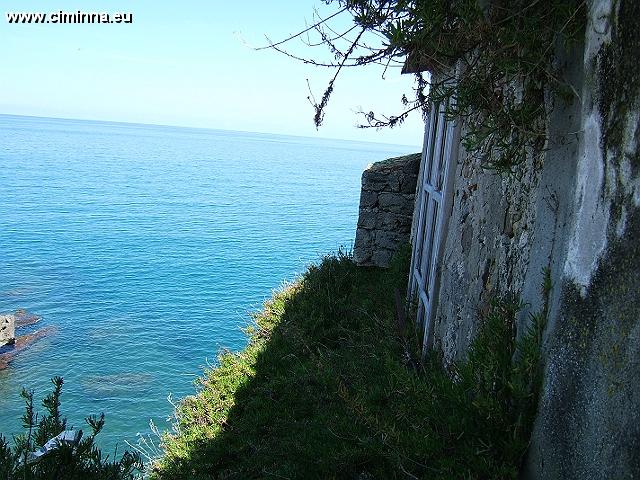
[(421, 229), (433, 130), (433, 222), (420, 319), (426, 240), (439, 174), (437, 150)]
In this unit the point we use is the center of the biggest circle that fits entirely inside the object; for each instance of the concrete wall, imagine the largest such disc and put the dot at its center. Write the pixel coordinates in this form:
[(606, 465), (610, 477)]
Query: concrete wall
[(589, 420), (574, 208), (386, 209)]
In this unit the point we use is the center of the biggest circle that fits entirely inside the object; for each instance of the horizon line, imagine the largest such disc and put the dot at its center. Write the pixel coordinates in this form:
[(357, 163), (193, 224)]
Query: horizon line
[(205, 128)]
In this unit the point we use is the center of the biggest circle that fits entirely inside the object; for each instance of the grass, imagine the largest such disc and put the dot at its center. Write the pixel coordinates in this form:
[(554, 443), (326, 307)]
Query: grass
[(329, 387)]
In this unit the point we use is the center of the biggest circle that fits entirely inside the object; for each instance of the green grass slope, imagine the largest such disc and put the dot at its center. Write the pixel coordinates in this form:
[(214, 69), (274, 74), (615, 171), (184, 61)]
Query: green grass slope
[(329, 386)]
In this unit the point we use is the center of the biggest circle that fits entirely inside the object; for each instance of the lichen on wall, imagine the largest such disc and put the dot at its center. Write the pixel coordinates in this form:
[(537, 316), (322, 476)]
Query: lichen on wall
[(589, 420), (609, 158), (589, 238)]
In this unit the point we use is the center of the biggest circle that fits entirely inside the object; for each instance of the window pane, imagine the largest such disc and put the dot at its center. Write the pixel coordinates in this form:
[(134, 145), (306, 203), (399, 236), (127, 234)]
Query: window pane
[(439, 173), (433, 223), (426, 241), (437, 149), (420, 319), (431, 147), (421, 231)]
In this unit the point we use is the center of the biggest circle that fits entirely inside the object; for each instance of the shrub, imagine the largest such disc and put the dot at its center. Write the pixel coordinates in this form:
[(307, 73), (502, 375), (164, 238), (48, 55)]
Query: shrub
[(81, 460)]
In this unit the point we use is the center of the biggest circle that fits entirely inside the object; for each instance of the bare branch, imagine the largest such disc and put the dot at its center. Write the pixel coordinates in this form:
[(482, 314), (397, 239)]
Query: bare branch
[(302, 32), (319, 116)]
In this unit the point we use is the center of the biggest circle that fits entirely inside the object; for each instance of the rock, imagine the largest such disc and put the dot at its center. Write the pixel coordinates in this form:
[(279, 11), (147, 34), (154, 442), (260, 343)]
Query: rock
[(391, 221), (8, 353), (7, 329), (102, 386), (408, 184), (24, 318), (367, 219), (10, 345), (382, 257), (388, 240), (368, 199), (395, 202), (363, 245)]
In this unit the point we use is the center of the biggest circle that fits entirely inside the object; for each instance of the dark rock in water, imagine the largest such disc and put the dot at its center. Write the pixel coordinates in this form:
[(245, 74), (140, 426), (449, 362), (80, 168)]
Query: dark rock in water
[(8, 352), (24, 318), (12, 321), (102, 386)]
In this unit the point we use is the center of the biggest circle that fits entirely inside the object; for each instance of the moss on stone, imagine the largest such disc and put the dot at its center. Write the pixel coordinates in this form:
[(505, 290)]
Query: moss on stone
[(593, 376), (619, 77)]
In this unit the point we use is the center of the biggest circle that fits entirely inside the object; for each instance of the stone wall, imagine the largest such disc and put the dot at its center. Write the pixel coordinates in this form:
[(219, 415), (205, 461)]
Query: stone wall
[(573, 209), (7, 329), (386, 208)]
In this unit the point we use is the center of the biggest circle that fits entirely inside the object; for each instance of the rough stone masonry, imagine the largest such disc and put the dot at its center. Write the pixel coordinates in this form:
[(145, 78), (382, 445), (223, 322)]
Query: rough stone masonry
[(386, 209)]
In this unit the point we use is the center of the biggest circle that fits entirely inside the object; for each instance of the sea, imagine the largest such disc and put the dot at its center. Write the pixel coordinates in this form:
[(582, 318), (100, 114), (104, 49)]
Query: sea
[(145, 249)]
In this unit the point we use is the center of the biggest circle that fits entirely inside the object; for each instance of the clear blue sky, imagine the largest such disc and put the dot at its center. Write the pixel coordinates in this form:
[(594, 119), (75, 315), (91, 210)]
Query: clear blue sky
[(187, 63)]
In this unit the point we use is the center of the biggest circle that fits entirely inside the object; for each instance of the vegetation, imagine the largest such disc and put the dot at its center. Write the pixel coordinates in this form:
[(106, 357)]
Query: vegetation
[(493, 61), (329, 386), (83, 461)]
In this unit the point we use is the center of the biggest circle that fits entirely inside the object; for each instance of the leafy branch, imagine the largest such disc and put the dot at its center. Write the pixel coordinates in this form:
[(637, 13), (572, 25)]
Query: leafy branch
[(496, 59)]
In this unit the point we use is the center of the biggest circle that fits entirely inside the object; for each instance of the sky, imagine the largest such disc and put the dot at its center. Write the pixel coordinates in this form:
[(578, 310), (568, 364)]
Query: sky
[(190, 63)]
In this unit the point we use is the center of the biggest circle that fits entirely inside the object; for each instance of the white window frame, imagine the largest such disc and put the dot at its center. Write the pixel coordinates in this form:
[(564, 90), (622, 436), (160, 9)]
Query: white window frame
[(433, 209)]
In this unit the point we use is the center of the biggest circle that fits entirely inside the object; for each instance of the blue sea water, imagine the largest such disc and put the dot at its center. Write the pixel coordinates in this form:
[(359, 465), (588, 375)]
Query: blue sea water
[(144, 248)]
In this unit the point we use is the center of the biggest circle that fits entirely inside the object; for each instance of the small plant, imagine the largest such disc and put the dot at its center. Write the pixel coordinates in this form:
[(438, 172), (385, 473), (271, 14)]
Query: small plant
[(80, 459), (502, 379)]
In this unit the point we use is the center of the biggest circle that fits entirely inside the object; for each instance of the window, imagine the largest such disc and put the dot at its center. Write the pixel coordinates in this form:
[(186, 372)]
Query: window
[(433, 208)]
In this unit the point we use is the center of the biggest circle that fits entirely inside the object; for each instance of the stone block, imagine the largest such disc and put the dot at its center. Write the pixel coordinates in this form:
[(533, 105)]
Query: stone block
[(411, 164), (389, 240), (382, 257), (390, 202), (408, 184), (391, 221), (407, 163), (386, 209), (363, 246), (368, 199), (382, 183), (376, 185), (404, 229), (396, 203), (367, 218), (364, 238)]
